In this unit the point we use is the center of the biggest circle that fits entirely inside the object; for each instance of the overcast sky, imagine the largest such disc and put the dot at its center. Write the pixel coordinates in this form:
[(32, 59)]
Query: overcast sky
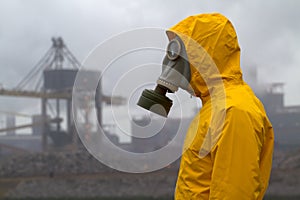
[(268, 32)]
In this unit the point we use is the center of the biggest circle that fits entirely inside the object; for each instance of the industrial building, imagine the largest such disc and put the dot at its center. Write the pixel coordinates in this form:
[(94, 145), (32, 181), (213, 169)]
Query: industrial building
[(285, 119)]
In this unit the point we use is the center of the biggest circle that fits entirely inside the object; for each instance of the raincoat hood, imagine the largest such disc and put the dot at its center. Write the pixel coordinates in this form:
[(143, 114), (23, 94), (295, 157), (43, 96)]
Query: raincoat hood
[(216, 35)]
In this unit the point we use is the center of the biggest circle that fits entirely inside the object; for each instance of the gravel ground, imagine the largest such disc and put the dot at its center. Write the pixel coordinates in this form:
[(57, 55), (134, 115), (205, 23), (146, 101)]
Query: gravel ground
[(122, 185), (79, 175)]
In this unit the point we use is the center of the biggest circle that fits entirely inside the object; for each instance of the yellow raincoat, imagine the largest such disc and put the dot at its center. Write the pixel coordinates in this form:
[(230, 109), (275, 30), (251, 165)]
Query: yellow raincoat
[(237, 165)]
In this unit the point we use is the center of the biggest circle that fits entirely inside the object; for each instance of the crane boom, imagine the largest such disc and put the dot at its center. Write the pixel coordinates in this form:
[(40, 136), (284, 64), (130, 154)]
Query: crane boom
[(35, 94), (116, 100)]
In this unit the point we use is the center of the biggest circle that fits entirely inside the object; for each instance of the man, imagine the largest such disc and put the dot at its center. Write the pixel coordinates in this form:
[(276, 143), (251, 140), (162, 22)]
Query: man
[(237, 165)]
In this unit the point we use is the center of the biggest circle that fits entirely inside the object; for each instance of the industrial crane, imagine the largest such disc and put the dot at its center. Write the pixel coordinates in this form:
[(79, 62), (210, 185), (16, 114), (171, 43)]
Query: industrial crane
[(52, 78)]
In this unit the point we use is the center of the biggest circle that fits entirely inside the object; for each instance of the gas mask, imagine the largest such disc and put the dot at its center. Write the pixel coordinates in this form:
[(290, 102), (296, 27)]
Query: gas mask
[(175, 74)]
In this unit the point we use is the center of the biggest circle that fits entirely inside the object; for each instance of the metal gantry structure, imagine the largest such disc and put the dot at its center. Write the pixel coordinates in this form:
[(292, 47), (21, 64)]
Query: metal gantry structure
[(52, 79)]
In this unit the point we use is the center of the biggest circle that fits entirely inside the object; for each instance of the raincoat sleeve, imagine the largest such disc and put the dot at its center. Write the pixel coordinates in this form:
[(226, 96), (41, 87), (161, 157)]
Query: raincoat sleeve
[(242, 158)]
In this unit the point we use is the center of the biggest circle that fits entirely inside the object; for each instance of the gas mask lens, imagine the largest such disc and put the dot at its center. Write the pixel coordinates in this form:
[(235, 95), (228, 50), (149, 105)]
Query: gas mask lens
[(173, 49)]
